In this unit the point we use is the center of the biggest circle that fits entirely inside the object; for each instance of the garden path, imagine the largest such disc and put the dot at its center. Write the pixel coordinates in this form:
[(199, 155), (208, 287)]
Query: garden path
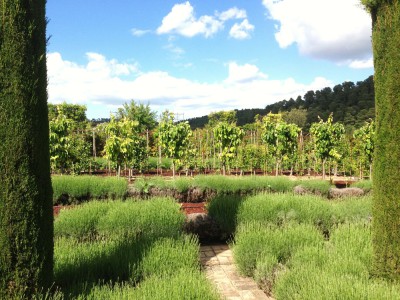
[(218, 264)]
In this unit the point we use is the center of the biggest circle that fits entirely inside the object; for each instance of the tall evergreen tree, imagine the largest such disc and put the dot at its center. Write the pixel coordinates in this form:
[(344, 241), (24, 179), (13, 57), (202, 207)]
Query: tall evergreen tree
[(386, 205), (26, 220)]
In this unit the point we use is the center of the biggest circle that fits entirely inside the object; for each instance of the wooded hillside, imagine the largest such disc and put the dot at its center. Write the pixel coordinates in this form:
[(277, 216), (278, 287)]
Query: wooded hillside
[(351, 104)]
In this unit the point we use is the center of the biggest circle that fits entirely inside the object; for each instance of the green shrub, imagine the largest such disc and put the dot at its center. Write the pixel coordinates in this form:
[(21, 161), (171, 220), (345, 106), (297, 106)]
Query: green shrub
[(224, 209), (106, 259), (72, 189), (101, 163), (166, 163), (180, 184), (316, 186), (280, 209), (81, 221), (227, 184), (352, 209), (255, 240), (366, 185), (278, 243), (184, 284), (338, 270), (125, 244), (158, 217), (164, 256)]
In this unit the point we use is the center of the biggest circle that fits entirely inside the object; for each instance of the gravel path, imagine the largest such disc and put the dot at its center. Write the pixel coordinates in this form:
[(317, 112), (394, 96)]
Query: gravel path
[(218, 264)]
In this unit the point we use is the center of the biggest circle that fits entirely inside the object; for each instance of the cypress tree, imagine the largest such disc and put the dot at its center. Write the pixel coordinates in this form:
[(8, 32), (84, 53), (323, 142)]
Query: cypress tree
[(386, 202), (26, 220)]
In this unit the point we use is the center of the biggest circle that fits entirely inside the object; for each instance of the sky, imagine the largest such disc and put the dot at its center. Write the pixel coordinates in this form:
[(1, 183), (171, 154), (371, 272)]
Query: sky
[(201, 56)]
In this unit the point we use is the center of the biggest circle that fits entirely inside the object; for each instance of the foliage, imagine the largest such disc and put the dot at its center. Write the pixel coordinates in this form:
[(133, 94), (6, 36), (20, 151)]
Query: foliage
[(296, 116), (371, 4), (59, 142), (327, 137), (124, 144), (69, 150), (280, 138), (222, 116), (26, 223), (74, 112), (365, 142), (228, 138), (174, 138), (386, 187), (140, 113), (252, 156)]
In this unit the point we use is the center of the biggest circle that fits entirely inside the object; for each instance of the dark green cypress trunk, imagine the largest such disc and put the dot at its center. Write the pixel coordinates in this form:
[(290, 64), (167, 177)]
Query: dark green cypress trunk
[(26, 220), (386, 186)]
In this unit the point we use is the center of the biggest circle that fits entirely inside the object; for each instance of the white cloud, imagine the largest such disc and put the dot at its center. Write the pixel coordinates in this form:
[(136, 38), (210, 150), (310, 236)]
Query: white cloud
[(182, 20), (232, 13), (337, 30), (244, 73), (139, 32), (241, 31), (361, 64), (105, 85)]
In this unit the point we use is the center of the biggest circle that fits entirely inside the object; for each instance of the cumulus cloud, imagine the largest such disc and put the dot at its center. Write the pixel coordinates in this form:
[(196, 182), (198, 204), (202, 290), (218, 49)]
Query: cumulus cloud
[(337, 30), (232, 13), (182, 20), (241, 31), (244, 73), (104, 85)]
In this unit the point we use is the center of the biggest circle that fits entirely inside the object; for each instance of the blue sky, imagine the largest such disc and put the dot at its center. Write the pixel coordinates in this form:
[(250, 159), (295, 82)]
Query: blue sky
[(199, 56)]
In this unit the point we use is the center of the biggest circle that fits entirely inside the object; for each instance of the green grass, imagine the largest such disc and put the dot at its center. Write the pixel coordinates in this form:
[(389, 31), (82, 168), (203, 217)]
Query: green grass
[(127, 250), (73, 189)]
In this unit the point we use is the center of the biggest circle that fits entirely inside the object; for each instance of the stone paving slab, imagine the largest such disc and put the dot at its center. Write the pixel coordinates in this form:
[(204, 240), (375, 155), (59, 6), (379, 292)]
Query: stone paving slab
[(217, 261)]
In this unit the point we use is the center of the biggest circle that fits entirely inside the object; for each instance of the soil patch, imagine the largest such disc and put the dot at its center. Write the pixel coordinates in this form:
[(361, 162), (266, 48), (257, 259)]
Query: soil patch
[(191, 208)]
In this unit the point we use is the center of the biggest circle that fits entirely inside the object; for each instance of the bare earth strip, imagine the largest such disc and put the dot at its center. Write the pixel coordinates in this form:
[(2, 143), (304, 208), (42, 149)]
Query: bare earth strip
[(220, 269)]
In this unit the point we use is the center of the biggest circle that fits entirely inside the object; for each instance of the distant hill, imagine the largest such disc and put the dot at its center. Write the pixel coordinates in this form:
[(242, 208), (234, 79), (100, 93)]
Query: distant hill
[(351, 104)]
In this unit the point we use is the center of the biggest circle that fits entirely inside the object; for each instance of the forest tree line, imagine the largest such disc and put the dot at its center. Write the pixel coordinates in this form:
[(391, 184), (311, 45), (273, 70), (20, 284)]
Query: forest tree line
[(351, 103)]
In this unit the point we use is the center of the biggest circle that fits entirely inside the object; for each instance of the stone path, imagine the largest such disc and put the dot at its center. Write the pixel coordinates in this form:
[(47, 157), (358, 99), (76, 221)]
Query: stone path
[(218, 264)]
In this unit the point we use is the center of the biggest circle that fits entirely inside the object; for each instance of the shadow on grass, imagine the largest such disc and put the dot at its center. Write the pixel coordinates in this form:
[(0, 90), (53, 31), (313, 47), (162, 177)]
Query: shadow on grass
[(224, 209), (120, 264)]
